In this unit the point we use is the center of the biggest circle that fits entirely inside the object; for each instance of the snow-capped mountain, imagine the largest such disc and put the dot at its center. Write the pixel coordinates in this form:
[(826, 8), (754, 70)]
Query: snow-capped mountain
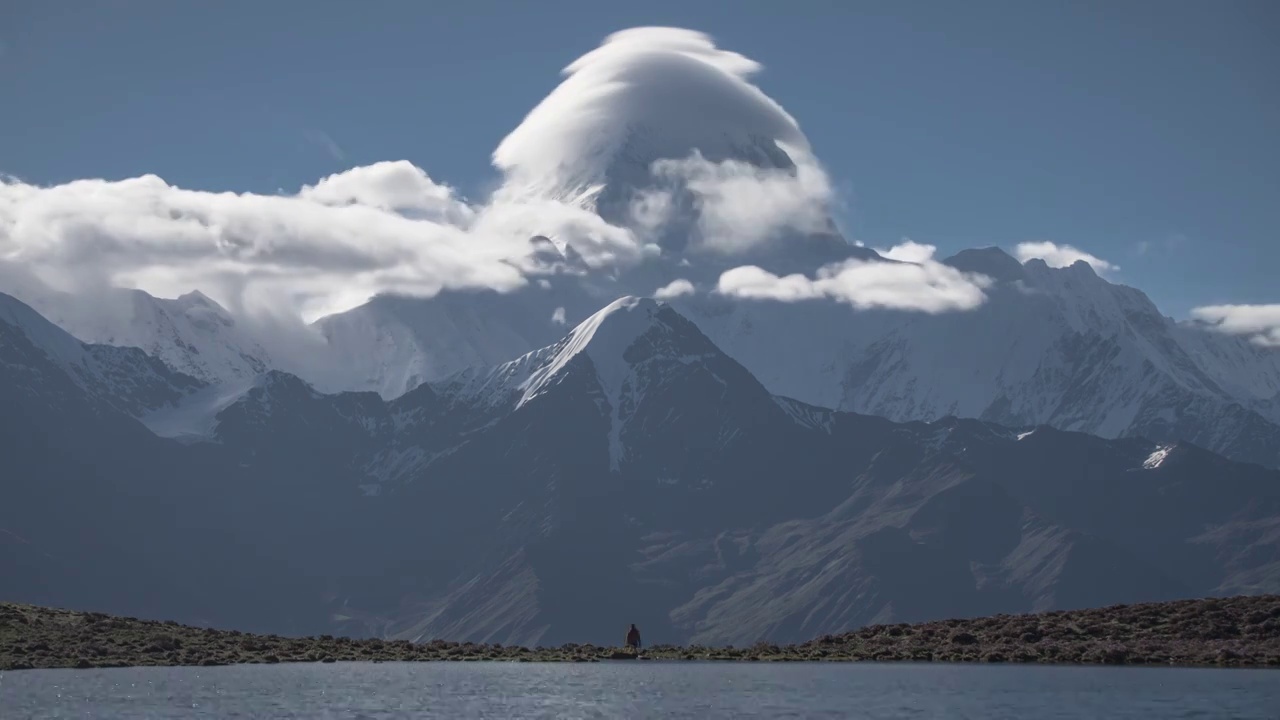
[(126, 379), (630, 468), (639, 361), (190, 334), (651, 132), (1056, 346), (393, 344)]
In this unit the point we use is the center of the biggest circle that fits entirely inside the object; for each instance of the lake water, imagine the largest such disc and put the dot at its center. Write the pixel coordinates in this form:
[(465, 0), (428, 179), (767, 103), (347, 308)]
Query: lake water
[(672, 690)]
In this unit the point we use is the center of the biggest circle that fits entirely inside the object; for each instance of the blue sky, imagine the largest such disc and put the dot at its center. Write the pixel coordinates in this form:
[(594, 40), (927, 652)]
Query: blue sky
[(1142, 132)]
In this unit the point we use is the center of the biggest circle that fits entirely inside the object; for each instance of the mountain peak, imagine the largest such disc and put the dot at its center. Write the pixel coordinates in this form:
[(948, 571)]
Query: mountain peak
[(613, 329), (611, 344), (1082, 267), (639, 360), (604, 338), (195, 298), (990, 261)]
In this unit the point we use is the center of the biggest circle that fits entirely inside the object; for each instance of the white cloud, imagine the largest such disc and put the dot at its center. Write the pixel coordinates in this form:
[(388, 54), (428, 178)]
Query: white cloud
[(740, 206), (1059, 256), (689, 148), (751, 282), (673, 85), (674, 289), (600, 244), (925, 287), (909, 251), (1261, 323), (382, 228), (396, 186), (651, 209), (557, 317)]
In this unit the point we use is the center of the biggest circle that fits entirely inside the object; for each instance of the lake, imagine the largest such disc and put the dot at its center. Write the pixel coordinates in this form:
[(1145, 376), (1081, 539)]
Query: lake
[(673, 690)]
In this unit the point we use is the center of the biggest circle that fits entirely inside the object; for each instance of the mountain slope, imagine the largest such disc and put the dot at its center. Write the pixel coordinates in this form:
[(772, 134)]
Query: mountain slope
[(98, 512), (1050, 346), (1055, 346), (719, 513), (126, 379), (393, 344), (630, 470), (191, 334)]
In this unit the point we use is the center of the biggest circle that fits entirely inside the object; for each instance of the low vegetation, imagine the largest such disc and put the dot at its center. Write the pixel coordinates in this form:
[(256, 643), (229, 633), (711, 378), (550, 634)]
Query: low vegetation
[(1232, 632)]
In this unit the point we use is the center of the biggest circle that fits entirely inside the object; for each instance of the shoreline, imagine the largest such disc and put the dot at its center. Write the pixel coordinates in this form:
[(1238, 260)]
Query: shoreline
[(1236, 632)]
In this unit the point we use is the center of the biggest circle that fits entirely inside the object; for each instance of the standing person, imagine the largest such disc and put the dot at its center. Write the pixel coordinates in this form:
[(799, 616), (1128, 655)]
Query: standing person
[(633, 638)]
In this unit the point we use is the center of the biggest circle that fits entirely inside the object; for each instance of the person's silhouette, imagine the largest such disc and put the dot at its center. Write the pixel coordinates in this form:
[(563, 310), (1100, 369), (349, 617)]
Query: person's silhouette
[(633, 637)]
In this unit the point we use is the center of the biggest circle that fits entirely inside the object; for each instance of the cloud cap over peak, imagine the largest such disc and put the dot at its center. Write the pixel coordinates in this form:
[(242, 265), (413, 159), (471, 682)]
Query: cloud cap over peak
[(672, 85)]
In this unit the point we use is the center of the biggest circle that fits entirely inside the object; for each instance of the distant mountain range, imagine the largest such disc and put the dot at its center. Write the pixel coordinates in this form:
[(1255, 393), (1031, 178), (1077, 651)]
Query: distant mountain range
[(632, 471), (1053, 346)]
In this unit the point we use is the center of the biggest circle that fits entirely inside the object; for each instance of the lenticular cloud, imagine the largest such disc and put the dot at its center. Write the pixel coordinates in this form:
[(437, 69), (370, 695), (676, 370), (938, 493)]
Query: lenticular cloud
[(672, 87)]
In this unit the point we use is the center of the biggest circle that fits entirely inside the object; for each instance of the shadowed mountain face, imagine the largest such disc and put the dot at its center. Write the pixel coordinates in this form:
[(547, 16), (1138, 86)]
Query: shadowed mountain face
[(630, 472)]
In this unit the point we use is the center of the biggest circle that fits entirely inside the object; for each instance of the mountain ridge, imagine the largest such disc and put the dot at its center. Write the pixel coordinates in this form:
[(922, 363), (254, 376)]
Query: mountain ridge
[(713, 511)]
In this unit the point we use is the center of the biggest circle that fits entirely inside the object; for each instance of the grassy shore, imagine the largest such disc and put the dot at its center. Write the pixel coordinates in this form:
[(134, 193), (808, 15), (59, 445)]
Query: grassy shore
[(1230, 632)]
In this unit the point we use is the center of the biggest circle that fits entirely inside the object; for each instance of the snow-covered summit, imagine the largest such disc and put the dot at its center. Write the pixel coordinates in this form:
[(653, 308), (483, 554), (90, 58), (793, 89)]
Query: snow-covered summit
[(604, 338), (602, 341), (393, 344), (990, 261), (190, 334), (643, 366)]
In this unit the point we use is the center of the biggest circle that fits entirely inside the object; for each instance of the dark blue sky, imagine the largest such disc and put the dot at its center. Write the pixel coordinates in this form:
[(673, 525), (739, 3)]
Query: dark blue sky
[(1147, 133)]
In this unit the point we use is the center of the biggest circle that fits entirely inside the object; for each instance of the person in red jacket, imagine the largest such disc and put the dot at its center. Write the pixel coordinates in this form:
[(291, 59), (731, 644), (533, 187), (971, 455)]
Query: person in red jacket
[(633, 638)]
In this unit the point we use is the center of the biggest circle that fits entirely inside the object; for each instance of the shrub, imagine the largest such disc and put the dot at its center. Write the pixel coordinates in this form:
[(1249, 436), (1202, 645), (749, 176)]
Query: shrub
[(163, 643)]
